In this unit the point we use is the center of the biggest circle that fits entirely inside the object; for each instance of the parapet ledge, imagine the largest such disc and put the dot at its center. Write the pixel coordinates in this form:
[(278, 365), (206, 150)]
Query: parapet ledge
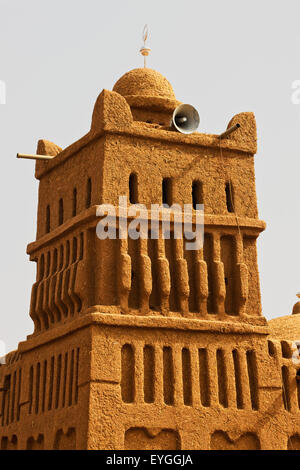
[(112, 115), (95, 316)]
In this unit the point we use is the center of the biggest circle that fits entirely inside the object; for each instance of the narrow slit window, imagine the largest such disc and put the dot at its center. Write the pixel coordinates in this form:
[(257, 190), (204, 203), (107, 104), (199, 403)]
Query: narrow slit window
[(60, 212), (133, 188), (271, 348), (74, 202), (89, 193), (286, 350), (229, 197), (197, 193), (47, 219), (167, 191)]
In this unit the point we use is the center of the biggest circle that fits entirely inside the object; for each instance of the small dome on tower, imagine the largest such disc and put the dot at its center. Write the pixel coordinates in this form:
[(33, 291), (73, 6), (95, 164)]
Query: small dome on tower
[(144, 82)]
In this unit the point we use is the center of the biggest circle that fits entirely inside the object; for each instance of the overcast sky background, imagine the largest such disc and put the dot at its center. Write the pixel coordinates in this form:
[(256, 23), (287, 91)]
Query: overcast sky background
[(223, 57)]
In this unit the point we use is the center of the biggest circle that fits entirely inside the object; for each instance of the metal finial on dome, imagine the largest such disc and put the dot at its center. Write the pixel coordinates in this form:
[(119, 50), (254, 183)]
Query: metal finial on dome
[(145, 51)]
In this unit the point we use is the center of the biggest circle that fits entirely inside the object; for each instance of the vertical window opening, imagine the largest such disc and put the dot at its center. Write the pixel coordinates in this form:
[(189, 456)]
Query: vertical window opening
[(89, 193), (229, 197), (133, 188), (271, 348), (74, 212), (286, 350), (197, 193), (167, 191), (60, 212), (48, 219)]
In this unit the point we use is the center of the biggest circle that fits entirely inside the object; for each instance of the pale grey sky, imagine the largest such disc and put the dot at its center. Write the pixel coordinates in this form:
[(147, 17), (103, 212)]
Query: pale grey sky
[(223, 57)]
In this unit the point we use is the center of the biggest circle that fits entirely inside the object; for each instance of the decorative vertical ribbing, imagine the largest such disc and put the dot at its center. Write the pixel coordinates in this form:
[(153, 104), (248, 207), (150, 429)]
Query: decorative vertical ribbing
[(41, 273), (286, 397), (19, 391), (244, 380), (37, 388), (219, 275), (13, 396), (178, 378), (213, 377), (293, 391), (44, 376), (231, 391), (56, 380), (242, 275), (40, 295), (49, 386), (52, 284), (75, 259), (66, 279), (58, 287), (82, 277), (164, 277), (145, 276), (64, 381), (70, 384), (139, 372), (201, 282), (158, 372), (59, 380), (33, 314), (124, 275), (76, 375), (46, 282), (30, 389), (195, 376), (222, 378), (182, 278)]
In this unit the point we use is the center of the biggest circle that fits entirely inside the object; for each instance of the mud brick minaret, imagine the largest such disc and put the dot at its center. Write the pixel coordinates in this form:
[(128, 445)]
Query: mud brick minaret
[(142, 344)]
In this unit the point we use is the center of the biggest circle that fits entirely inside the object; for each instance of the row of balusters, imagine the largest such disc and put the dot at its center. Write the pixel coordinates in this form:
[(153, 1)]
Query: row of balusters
[(53, 384), (189, 376), (165, 276), (153, 275), (53, 296)]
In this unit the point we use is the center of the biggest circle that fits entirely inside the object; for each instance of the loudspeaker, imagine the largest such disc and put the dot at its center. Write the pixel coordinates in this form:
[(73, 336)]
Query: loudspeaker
[(185, 119)]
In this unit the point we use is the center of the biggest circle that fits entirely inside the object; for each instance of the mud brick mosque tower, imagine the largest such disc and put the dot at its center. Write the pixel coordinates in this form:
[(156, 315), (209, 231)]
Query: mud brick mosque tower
[(142, 344)]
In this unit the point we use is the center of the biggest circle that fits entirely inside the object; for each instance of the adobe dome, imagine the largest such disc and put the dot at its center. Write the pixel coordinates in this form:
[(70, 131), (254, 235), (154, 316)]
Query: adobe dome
[(144, 82)]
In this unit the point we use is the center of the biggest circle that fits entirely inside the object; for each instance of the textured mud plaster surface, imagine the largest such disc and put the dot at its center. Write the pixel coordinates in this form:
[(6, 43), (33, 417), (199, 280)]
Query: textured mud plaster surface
[(142, 344)]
